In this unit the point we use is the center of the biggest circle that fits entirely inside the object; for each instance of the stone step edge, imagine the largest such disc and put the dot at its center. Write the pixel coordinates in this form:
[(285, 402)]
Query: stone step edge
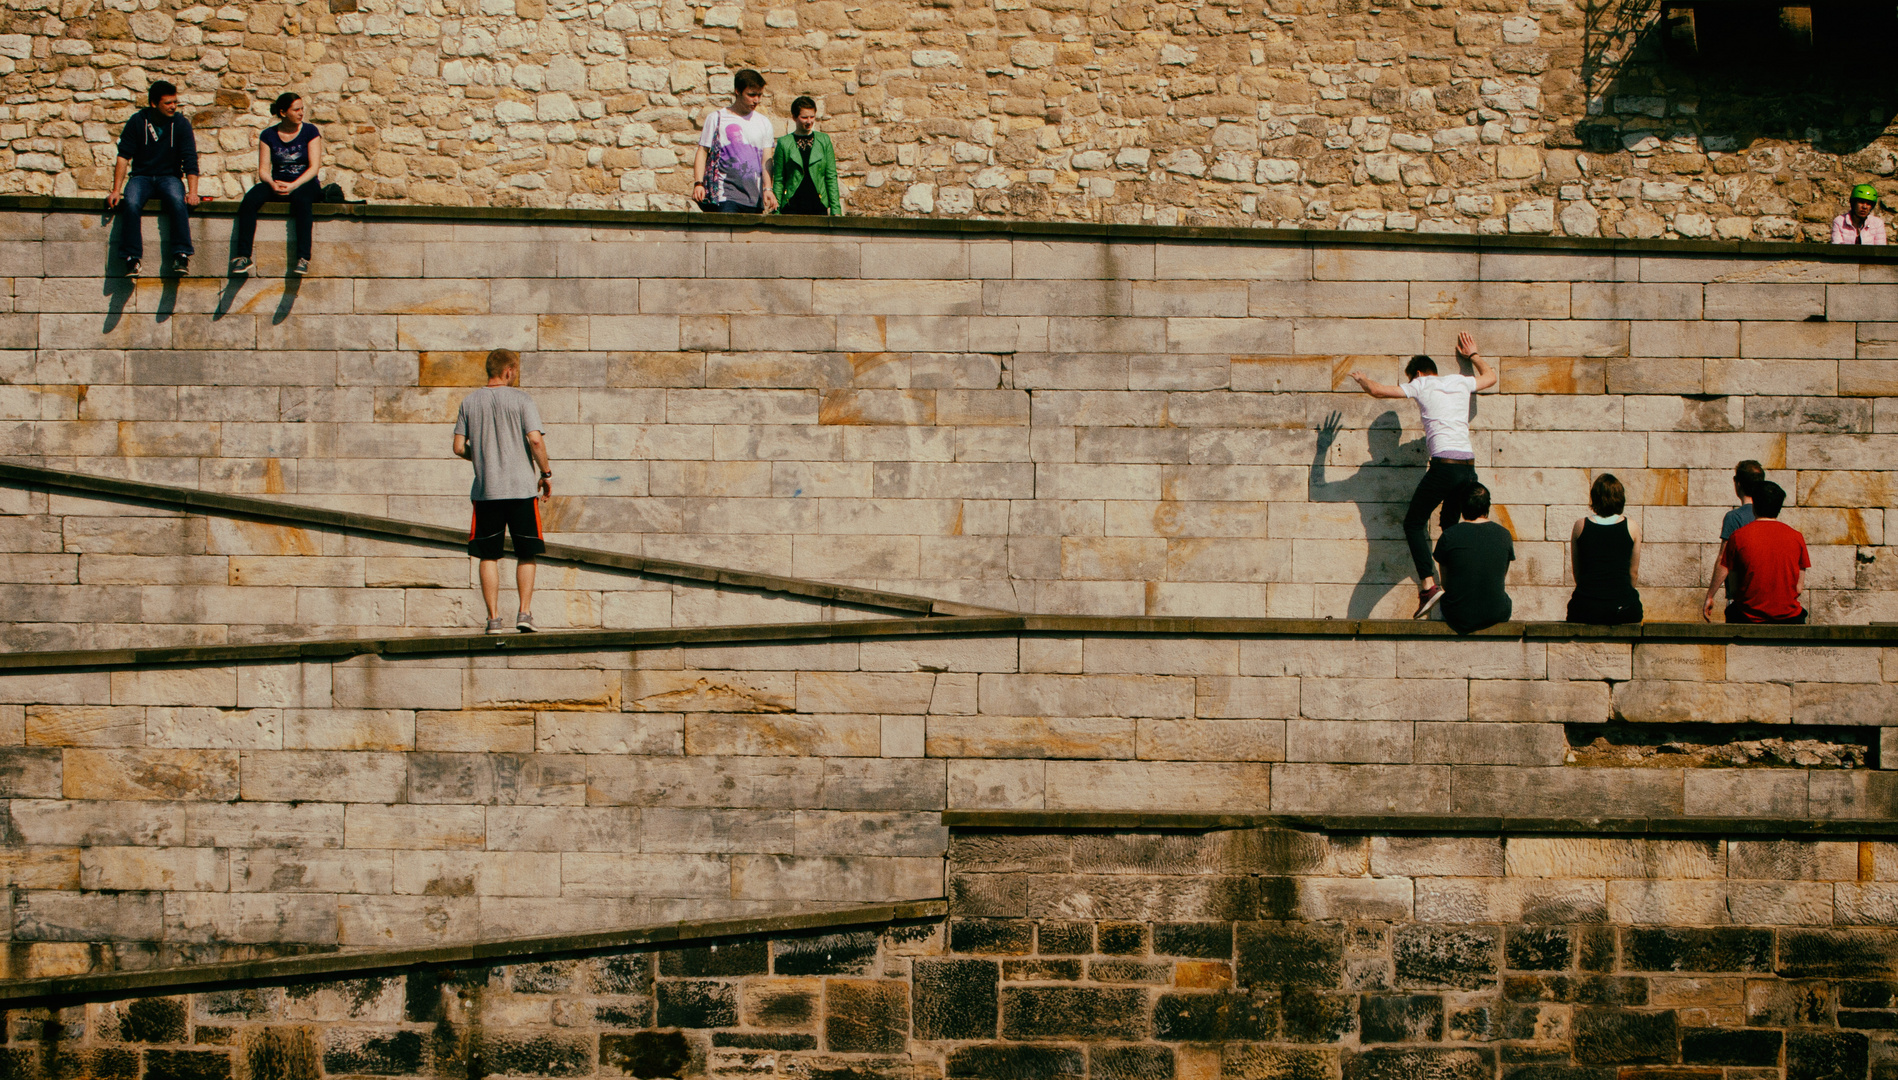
[(980, 228), (201, 978), (244, 506), (476, 644), (1417, 824)]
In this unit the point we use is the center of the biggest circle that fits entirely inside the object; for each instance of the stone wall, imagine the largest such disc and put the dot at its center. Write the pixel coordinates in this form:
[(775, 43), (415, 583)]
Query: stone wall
[(1145, 424), (421, 793), (1523, 116), (88, 571), (1246, 954)]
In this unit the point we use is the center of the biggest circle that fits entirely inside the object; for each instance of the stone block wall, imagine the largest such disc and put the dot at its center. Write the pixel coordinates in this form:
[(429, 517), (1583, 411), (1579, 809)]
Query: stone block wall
[(1527, 116), (1244, 955), (92, 572), (210, 809), (1145, 424)]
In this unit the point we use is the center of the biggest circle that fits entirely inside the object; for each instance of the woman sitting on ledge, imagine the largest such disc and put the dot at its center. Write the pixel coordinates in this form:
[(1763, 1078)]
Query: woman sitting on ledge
[(1605, 558), (288, 155)]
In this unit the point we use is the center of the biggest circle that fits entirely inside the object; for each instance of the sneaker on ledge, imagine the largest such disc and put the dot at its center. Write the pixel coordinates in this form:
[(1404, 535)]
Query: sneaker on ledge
[(524, 622), (240, 266), (131, 267), (495, 626), (302, 267), (181, 265), (1427, 600)]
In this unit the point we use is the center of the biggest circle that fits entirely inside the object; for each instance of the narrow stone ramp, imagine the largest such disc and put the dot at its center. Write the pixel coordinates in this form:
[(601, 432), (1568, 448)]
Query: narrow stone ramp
[(101, 562)]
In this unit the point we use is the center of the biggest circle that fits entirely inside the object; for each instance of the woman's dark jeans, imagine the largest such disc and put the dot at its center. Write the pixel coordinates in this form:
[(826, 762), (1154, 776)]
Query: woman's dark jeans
[(302, 205)]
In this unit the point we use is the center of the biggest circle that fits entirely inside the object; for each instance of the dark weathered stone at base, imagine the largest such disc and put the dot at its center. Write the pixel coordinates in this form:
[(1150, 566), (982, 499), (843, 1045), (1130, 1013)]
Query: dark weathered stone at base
[(1376, 962)]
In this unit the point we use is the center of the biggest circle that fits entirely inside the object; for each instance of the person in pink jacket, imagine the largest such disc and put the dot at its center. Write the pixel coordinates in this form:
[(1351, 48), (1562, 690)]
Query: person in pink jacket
[(1858, 226)]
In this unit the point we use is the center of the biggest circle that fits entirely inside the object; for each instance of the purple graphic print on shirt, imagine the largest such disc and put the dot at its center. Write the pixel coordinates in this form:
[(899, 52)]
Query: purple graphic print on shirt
[(735, 148)]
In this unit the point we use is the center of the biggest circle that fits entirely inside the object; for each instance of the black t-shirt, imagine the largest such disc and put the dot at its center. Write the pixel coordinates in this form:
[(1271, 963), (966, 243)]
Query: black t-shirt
[(289, 158), (1473, 558)]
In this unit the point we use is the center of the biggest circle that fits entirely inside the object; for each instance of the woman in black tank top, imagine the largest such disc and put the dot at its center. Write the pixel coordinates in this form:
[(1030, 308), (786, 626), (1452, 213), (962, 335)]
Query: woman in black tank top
[(1605, 551)]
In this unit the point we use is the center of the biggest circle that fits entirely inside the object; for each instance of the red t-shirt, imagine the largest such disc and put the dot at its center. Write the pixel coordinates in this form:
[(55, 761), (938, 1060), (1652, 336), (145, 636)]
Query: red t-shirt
[(1763, 559)]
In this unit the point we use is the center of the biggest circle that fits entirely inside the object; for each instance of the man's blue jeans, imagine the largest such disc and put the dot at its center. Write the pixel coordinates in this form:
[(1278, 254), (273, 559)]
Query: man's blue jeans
[(139, 190)]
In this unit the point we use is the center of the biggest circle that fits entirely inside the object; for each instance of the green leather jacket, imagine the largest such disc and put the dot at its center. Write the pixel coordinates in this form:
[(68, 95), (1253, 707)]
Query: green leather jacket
[(787, 171)]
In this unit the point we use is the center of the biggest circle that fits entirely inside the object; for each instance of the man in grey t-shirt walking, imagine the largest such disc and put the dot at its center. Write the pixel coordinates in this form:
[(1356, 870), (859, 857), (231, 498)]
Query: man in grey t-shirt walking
[(498, 429)]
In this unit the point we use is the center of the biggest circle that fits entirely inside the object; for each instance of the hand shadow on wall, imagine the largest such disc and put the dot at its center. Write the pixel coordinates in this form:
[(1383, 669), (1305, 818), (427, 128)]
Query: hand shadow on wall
[(1364, 490)]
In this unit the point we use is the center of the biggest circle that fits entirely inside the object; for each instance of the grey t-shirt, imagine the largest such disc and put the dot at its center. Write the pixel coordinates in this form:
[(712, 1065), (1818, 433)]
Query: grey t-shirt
[(496, 420)]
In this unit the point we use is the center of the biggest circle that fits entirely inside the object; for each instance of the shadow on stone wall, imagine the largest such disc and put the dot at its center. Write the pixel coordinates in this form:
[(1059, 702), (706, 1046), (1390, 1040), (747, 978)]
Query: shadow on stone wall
[(1750, 83)]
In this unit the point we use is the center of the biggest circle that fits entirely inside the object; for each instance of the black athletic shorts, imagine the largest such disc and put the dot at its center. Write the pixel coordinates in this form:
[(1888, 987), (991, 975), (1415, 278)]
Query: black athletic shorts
[(520, 517)]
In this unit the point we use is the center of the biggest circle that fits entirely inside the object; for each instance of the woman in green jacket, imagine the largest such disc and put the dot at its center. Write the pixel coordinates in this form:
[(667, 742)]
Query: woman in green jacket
[(804, 168)]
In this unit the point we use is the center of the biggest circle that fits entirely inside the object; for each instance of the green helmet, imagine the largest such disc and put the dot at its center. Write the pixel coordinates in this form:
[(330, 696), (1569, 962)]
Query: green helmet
[(1866, 192)]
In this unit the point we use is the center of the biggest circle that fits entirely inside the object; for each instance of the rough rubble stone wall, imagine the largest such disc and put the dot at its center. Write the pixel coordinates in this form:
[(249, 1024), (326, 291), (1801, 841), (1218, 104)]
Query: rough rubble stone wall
[(1521, 116), (1139, 427), (1257, 955), (95, 573), (198, 812)]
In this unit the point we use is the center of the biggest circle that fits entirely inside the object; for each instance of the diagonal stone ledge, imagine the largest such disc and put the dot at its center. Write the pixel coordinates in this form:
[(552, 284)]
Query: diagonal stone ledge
[(211, 977), (220, 504)]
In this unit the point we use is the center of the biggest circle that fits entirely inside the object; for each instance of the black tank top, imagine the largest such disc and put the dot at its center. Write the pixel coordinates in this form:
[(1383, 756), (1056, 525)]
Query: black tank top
[(1603, 554)]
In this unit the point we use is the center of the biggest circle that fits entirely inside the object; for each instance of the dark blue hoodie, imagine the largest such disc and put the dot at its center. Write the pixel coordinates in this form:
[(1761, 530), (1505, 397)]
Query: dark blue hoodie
[(159, 145)]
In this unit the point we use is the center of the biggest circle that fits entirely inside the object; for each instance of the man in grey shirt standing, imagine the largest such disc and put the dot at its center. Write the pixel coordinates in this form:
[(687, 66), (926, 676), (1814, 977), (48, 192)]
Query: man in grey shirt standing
[(498, 429)]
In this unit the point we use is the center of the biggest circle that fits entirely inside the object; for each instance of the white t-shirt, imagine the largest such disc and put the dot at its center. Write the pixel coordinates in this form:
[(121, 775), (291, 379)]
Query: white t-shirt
[(735, 149), (1444, 401)]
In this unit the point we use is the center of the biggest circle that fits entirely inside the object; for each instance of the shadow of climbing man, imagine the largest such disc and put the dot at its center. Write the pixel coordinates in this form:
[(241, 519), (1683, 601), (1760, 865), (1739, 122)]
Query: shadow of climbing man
[(1379, 490)]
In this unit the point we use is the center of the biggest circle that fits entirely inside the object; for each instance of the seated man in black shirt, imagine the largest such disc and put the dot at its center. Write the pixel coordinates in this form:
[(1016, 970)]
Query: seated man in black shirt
[(1473, 557)]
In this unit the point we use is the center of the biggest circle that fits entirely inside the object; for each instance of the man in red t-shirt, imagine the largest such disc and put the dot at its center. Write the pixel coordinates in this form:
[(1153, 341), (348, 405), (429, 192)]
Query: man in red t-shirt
[(1767, 560)]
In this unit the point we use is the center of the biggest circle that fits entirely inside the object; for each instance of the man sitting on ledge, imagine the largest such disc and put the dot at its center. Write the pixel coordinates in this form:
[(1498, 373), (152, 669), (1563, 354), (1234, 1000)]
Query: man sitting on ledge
[(1475, 557), (1767, 560)]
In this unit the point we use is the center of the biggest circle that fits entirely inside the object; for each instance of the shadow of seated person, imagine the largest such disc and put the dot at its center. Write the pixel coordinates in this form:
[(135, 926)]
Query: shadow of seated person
[(121, 290)]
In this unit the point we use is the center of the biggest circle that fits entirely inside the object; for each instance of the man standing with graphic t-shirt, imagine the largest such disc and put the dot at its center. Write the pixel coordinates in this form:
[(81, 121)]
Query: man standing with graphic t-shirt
[(731, 169), (498, 430), (1444, 401)]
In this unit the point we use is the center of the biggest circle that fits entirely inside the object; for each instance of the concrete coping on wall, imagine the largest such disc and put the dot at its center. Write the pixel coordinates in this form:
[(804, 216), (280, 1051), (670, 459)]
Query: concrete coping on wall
[(200, 978), (475, 644), (255, 509), (1416, 824), (978, 228)]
